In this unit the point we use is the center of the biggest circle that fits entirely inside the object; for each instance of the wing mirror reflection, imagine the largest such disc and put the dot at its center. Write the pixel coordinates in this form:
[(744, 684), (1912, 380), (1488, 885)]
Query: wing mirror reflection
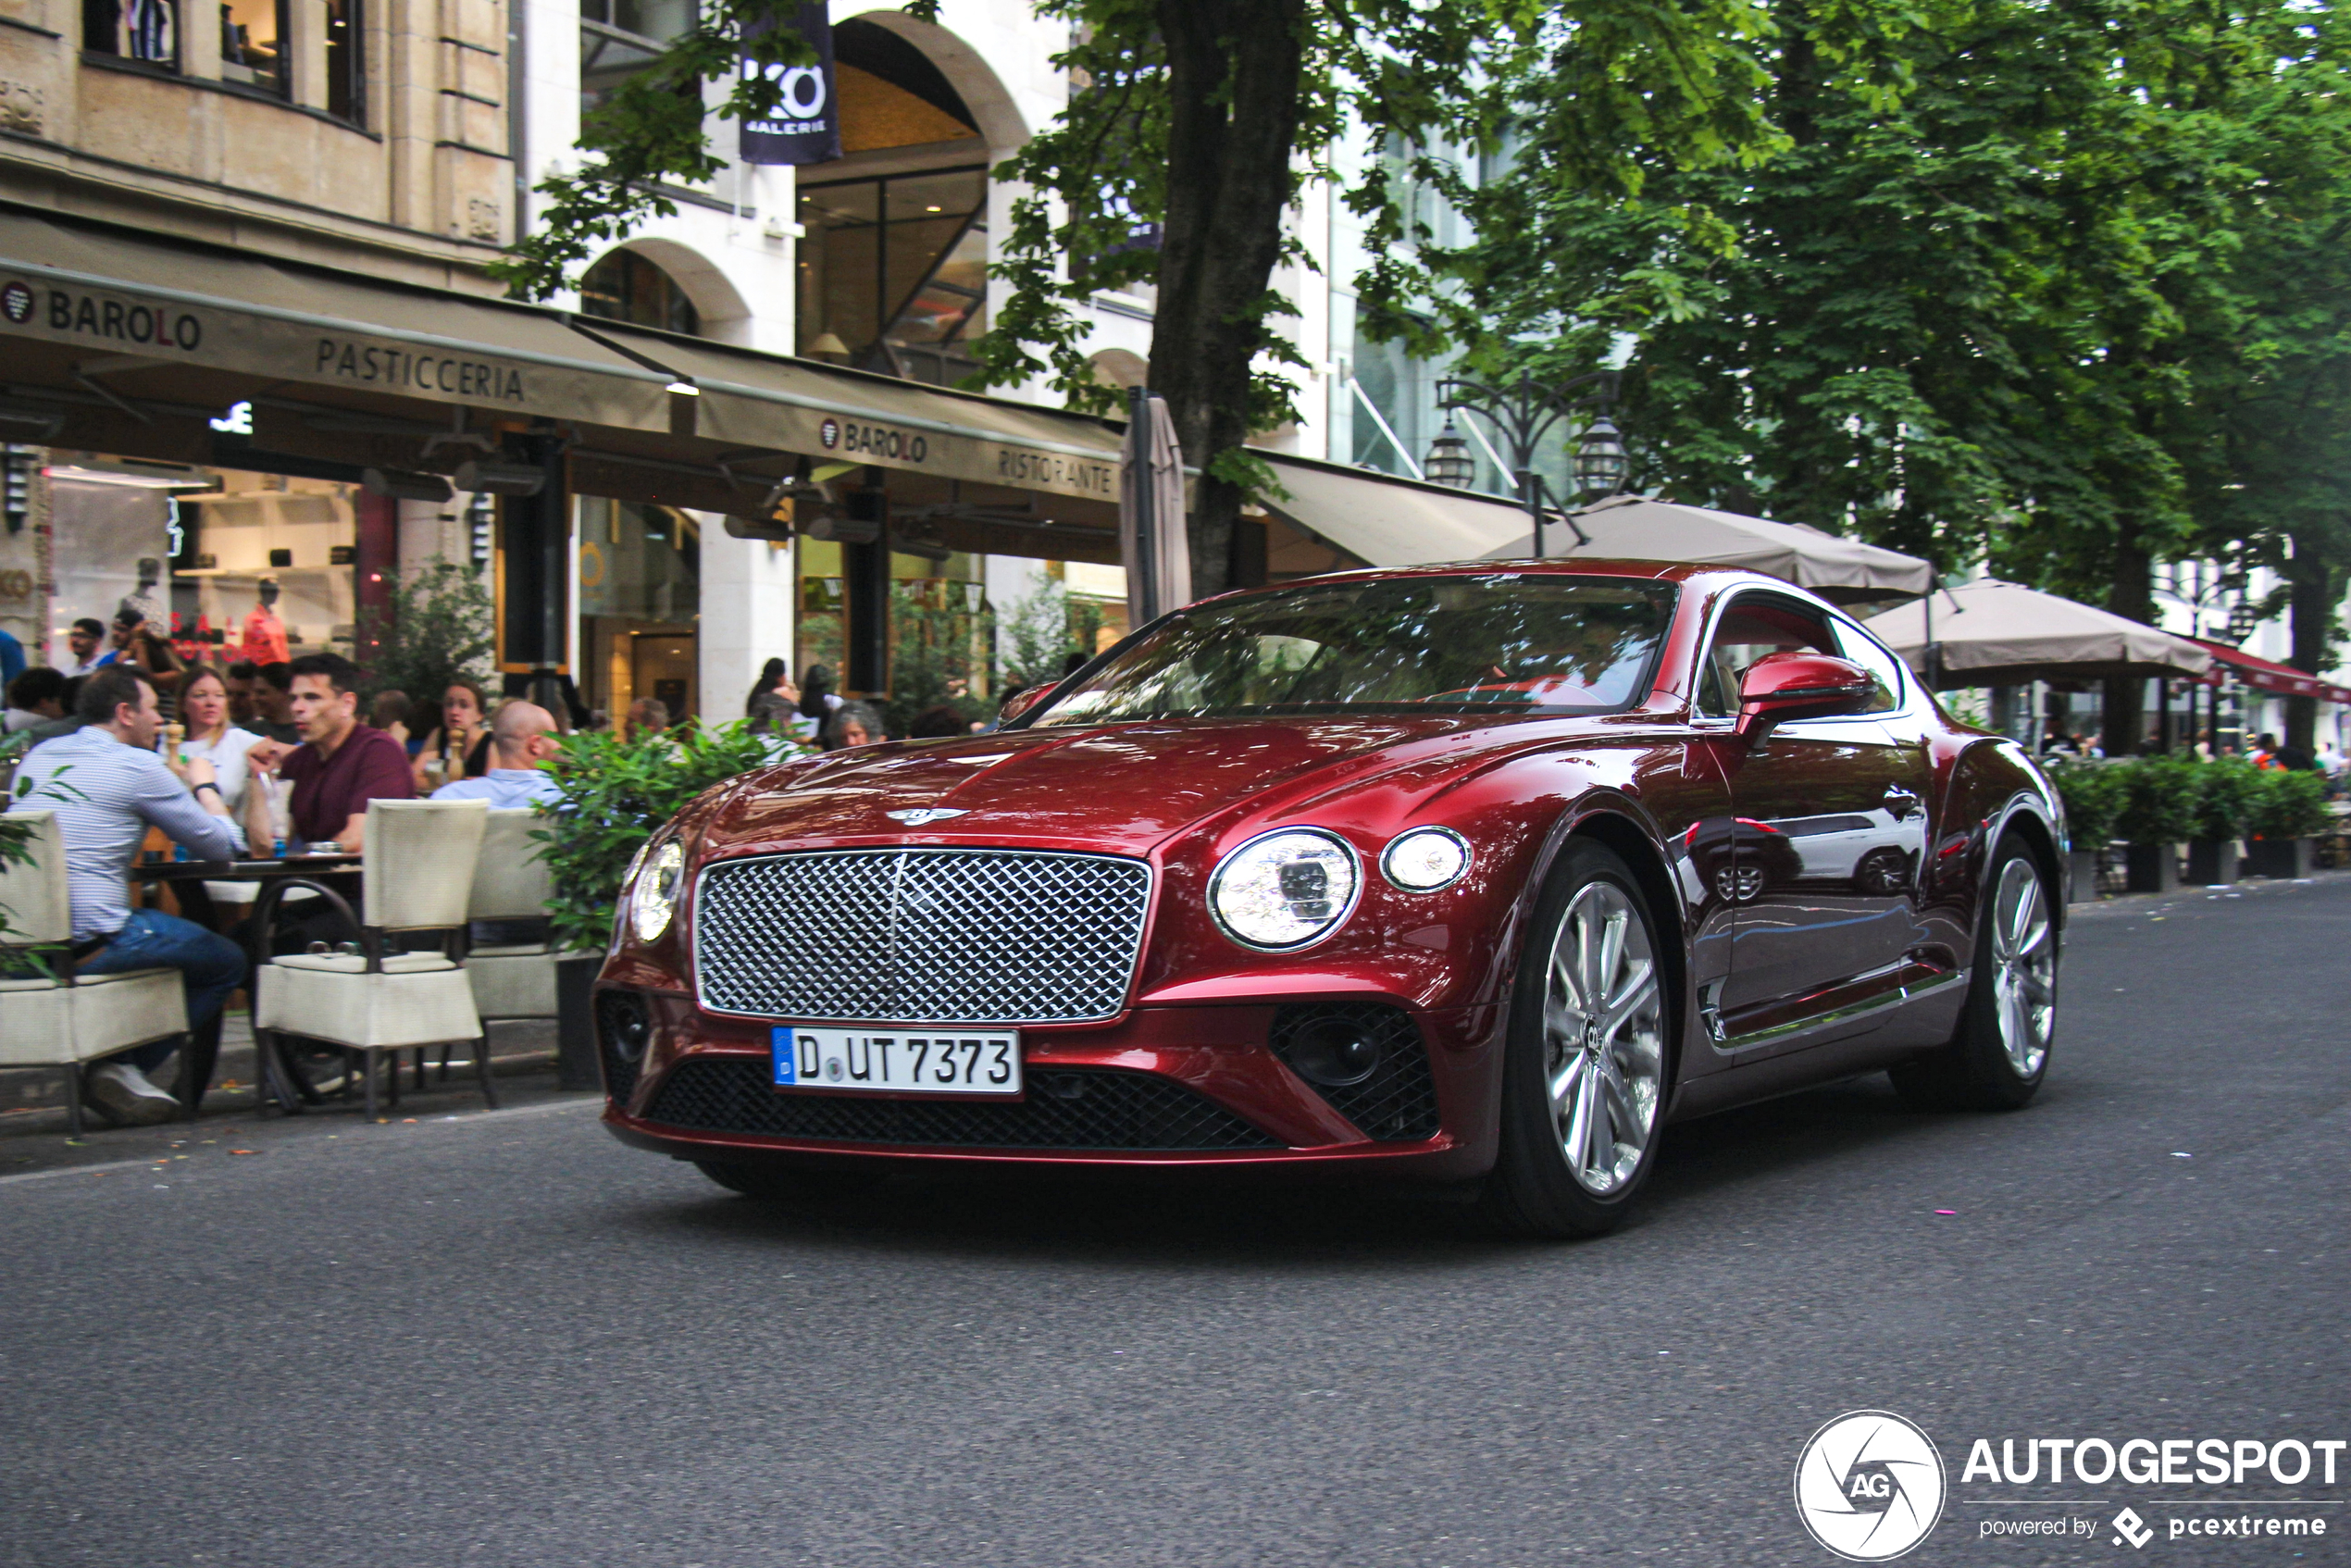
[(1779, 687), (1020, 702)]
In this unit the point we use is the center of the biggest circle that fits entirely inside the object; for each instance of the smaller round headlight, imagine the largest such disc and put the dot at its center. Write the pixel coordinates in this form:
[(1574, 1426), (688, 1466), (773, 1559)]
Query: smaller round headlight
[(1285, 890), (655, 899), (1425, 859)]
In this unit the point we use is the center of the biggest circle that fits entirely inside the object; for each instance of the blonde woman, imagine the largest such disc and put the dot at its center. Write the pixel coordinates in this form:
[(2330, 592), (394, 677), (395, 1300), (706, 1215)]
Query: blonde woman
[(203, 707)]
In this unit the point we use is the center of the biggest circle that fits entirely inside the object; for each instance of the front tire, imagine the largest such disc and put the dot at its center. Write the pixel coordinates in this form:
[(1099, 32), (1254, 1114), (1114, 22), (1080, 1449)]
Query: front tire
[(2000, 1055), (1587, 1061)]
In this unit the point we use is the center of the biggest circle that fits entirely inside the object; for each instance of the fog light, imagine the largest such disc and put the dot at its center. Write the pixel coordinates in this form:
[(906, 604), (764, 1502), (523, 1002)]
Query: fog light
[(1333, 1052)]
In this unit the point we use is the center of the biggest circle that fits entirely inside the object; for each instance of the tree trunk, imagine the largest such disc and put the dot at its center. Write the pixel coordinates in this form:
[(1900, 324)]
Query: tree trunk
[(2132, 593), (2315, 587), (1234, 69)]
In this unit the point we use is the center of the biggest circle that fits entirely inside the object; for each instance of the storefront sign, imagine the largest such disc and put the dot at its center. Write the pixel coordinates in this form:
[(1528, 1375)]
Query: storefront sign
[(807, 124), (852, 436), (223, 338)]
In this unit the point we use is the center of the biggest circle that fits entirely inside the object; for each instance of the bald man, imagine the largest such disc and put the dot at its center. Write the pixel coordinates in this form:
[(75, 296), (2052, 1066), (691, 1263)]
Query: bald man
[(521, 737)]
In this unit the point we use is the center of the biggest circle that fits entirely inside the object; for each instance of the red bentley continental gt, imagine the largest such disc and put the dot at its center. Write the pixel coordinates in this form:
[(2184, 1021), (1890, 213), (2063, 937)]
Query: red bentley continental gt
[(1469, 873)]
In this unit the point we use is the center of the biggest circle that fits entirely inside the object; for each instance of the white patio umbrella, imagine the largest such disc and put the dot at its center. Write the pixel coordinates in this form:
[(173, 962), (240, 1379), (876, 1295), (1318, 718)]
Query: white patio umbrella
[(1153, 542), (1994, 633), (1844, 571)]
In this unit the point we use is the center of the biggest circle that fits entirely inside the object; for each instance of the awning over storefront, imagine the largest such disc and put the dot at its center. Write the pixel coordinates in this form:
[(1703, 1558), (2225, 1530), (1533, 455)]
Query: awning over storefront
[(2263, 675), (138, 339), (1383, 521), (168, 317)]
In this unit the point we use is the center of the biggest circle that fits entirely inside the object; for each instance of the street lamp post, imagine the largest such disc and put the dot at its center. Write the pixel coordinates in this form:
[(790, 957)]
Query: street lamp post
[(1523, 413)]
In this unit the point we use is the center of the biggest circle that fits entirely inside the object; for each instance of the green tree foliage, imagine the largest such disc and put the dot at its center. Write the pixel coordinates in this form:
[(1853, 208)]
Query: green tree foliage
[(2056, 284), (437, 629), (938, 656)]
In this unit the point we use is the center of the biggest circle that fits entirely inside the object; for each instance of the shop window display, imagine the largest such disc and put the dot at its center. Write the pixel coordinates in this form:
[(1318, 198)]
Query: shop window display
[(640, 601)]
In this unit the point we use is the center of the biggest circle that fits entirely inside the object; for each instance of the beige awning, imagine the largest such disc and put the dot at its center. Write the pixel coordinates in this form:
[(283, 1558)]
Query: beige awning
[(1629, 527), (1994, 633), (750, 399), (1383, 521), (130, 305), (158, 320)]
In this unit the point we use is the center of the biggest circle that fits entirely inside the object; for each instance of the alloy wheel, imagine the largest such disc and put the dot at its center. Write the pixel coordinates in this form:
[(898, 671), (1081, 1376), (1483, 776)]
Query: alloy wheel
[(1603, 1038), (2024, 967)]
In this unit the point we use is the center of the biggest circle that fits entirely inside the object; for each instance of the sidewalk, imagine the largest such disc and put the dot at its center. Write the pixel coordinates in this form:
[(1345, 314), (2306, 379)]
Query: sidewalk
[(33, 1133)]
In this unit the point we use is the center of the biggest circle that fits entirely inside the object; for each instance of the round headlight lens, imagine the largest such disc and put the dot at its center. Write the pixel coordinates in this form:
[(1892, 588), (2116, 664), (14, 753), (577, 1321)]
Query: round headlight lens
[(1425, 859), (1285, 890), (655, 898)]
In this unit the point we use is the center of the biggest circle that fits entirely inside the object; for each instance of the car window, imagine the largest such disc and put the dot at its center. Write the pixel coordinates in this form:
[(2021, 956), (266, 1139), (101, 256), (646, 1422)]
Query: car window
[(1522, 642), (1756, 625), (1885, 669)]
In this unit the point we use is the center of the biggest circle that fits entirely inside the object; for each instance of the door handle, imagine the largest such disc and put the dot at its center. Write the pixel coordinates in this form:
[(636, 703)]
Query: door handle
[(1900, 802)]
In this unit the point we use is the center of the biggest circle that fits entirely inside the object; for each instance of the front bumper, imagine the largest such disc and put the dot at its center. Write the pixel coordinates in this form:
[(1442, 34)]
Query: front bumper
[(1162, 1087)]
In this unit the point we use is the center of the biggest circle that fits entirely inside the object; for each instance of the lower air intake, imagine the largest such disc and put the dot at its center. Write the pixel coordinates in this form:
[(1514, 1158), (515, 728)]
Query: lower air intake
[(1366, 1059), (1088, 1108)]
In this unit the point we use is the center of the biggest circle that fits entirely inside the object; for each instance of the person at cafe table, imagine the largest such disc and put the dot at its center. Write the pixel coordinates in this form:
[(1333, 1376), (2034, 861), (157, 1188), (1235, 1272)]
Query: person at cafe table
[(341, 764), (521, 737), (108, 786)]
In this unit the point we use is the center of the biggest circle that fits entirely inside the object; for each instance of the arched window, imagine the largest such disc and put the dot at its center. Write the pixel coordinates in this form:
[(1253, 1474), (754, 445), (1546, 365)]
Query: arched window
[(624, 286)]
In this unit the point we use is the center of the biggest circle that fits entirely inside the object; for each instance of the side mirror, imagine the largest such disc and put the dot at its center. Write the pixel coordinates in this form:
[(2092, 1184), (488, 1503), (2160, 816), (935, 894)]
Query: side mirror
[(1020, 702), (1779, 686)]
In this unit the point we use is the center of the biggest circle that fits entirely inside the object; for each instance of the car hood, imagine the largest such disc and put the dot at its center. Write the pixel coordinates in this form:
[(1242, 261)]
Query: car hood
[(1121, 788)]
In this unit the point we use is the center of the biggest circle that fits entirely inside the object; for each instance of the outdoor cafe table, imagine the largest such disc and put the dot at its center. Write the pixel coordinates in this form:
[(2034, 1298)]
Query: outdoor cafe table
[(187, 879)]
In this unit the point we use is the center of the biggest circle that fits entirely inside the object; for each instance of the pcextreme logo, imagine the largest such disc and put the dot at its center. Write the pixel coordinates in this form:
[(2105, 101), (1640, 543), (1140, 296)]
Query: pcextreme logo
[(1869, 1486)]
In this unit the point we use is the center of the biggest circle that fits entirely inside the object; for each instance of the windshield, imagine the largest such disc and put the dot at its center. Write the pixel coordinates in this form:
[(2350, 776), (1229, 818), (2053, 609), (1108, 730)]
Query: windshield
[(1529, 644)]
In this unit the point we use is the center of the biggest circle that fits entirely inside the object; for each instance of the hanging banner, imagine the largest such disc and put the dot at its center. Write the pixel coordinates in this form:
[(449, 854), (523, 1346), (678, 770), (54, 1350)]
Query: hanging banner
[(807, 124)]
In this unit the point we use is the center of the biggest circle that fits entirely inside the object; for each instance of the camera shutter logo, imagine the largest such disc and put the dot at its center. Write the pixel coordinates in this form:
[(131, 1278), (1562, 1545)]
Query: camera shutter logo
[(1869, 1486), (16, 301)]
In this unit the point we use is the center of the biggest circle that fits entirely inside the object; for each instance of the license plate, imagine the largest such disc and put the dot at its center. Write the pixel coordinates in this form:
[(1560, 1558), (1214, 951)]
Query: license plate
[(908, 1061)]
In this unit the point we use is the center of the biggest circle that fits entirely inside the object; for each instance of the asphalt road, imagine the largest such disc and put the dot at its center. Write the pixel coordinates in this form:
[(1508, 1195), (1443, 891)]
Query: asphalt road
[(504, 1340)]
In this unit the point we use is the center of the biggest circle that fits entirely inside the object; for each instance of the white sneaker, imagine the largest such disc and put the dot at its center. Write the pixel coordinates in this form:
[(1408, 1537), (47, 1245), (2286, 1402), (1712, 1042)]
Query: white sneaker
[(123, 1089)]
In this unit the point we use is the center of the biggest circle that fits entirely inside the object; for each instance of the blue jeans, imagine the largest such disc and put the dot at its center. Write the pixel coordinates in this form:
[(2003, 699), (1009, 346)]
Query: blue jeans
[(209, 964)]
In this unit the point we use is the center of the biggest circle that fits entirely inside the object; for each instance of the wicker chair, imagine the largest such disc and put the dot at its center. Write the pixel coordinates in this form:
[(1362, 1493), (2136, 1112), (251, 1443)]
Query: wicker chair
[(511, 887), (418, 875), (62, 1020)]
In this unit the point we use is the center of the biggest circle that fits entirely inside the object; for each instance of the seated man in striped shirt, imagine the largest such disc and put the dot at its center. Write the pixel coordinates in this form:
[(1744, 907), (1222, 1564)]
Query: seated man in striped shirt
[(108, 786)]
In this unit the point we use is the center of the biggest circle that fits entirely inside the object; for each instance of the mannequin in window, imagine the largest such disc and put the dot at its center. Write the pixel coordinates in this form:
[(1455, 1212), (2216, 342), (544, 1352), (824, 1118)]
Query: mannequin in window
[(264, 633), (143, 608)]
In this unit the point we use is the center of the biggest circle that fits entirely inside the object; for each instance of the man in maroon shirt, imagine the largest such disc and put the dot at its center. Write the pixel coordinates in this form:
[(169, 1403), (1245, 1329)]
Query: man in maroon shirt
[(341, 764)]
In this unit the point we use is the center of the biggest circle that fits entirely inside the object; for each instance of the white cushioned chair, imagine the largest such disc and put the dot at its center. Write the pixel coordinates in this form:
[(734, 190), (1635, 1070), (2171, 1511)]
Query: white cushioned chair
[(62, 1020), (416, 877), (511, 887)]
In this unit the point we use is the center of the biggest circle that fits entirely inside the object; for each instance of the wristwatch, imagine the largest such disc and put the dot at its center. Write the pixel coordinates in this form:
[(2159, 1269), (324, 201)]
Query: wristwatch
[(208, 784)]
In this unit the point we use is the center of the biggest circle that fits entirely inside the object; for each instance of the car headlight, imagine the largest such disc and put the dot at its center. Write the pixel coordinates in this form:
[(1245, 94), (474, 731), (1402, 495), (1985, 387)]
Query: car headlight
[(1285, 890), (653, 901), (1425, 859)]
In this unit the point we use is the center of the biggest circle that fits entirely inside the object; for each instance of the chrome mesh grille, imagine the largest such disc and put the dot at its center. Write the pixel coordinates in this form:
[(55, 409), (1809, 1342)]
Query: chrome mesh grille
[(928, 936)]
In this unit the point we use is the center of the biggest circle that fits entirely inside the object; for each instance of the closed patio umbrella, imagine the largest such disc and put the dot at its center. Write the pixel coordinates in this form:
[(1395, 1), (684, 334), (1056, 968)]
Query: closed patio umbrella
[(1844, 571), (1994, 633), (1153, 542)]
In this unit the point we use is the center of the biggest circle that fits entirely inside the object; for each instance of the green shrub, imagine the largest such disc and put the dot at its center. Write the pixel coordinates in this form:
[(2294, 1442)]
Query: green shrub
[(2093, 796), (2288, 803), (612, 793), (2224, 789), (2158, 800)]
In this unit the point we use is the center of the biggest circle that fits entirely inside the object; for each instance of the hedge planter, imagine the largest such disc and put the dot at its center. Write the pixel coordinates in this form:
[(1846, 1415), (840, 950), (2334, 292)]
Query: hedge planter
[(2212, 861), (2085, 875), (2279, 858), (2154, 868), (575, 1021)]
